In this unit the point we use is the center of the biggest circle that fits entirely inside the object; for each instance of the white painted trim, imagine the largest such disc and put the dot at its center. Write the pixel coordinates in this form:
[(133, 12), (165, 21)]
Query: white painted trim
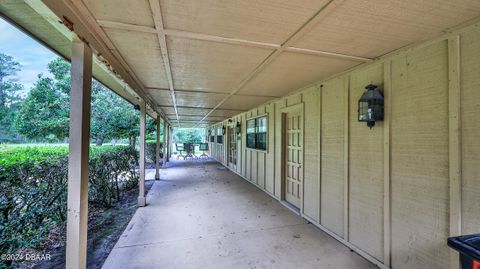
[(387, 92), (454, 143)]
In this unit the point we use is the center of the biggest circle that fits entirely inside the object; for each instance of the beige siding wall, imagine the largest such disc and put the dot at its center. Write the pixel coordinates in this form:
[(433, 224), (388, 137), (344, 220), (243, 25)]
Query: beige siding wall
[(470, 121), (385, 191), (332, 158), (365, 170), (420, 158)]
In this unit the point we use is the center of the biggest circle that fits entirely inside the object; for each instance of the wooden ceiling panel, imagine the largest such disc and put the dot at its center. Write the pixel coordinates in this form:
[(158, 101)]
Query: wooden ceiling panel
[(190, 111), (291, 71), (243, 102), (264, 21), (210, 66), (198, 99), (142, 53), (371, 28), (198, 118), (162, 98), (124, 11), (225, 113)]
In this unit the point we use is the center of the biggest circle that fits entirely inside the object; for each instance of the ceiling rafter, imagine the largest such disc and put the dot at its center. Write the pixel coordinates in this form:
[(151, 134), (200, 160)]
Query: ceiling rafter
[(301, 31), (227, 40), (208, 92), (198, 107), (328, 54), (158, 20)]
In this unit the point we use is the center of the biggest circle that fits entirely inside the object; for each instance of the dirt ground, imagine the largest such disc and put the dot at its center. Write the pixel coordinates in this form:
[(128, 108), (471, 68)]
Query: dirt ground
[(105, 226)]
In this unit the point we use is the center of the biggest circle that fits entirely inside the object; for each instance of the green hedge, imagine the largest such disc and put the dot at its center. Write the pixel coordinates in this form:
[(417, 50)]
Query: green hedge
[(33, 188), (150, 150)]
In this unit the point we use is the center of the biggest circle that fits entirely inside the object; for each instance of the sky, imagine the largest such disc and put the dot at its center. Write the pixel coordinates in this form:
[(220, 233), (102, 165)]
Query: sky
[(32, 56)]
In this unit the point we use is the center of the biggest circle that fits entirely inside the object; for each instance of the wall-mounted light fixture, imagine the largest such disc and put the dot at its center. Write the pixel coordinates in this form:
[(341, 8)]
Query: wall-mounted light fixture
[(370, 106), (224, 130), (238, 128)]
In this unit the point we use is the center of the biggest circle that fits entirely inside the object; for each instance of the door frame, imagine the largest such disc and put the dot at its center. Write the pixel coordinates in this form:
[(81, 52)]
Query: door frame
[(283, 150)]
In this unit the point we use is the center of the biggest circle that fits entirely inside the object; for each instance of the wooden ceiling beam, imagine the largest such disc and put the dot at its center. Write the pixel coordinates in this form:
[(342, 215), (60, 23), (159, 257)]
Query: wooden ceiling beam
[(157, 18), (226, 40)]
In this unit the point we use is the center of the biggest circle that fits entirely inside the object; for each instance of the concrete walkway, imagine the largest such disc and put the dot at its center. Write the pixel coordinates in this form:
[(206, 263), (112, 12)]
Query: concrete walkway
[(200, 215)]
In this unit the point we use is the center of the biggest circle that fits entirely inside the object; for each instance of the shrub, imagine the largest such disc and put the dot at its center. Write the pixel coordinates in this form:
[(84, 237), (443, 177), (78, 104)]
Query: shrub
[(33, 188), (150, 148)]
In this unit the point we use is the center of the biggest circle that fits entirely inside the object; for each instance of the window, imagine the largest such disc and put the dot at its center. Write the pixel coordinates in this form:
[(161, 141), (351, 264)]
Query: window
[(219, 135), (257, 133), (212, 136)]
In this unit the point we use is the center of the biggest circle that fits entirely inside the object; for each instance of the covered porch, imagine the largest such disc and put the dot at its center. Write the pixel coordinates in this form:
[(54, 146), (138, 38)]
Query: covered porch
[(277, 85), (202, 215)]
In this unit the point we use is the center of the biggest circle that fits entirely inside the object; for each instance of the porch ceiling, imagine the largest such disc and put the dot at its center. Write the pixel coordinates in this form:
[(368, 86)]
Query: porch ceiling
[(203, 61)]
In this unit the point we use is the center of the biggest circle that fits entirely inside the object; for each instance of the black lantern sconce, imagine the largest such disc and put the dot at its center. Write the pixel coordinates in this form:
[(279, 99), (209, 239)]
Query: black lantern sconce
[(370, 106), (238, 128), (224, 130)]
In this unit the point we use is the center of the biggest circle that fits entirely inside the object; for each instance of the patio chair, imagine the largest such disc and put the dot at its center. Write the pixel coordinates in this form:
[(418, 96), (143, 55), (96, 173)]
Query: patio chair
[(190, 149), (180, 148), (204, 147)]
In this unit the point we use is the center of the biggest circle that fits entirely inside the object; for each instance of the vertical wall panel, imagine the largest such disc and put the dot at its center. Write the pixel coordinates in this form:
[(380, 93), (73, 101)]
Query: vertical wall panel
[(366, 169), (270, 158), (254, 165), (261, 169), (311, 194), (470, 116), (244, 142), (239, 147), (420, 158), (278, 145), (333, 115)]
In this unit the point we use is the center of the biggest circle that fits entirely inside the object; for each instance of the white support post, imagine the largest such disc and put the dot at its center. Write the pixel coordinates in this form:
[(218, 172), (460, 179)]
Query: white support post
[(79, 140), (170, 135), (165, 143), (157, 150), (141, 181)]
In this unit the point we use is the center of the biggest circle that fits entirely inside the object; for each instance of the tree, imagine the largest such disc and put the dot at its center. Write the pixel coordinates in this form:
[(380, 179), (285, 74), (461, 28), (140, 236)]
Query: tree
[(188, 135), (9, 96), (112, 117), (44, 113)]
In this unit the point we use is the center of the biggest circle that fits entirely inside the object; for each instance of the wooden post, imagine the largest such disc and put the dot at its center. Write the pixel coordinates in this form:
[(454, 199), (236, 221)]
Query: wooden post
[(141, 182), (79, 140), (170, 137), (165, 143), (157, 150)]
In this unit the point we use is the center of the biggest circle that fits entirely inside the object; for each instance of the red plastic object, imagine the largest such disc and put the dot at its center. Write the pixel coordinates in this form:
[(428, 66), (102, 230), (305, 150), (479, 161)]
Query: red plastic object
[(476, 265)]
